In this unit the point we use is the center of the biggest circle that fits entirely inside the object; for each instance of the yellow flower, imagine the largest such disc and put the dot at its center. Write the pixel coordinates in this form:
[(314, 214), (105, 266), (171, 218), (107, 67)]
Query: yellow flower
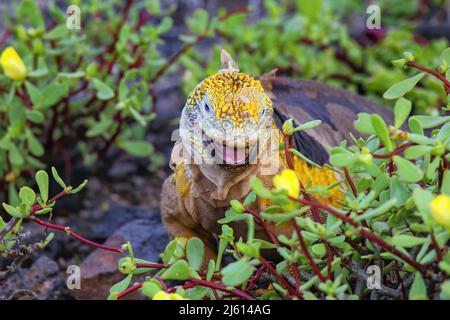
[(288, 181), (12, 64), (174, 296), (162, 295), (440, 210)]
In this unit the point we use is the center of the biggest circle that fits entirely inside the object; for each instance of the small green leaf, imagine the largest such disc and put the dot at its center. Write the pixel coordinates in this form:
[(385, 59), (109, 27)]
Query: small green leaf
[(27, 195), (150, 288), (137, 148), (53, 93), (308, 125), (80, 187), (178, 271), (381, 131), (198, 22), (259, 189), (402, 110), (104, 92), (12, 211), (58, 178), (407, 171), (35, 146), (400, 89), (38, 73), (407, 241), (56, 33), (211, 267), (15, 156), (237, 206), (251, 197), (445, 290), (44, 211), (35, 116), (415, 126), (71, 75), (343, 159), (236, 273), (34, 94), (446, 183), (427, 122), (195, 251), (119, 287), (319, 249), (99, 128), (415, 152), (165, 25), (445, 56), (418, 288), (43, 184), (30, 13), (364, 124)]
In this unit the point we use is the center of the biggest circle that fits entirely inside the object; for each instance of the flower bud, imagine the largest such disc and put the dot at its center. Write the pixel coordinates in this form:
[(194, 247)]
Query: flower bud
[(288, 127), (440, 210), (12, 64)]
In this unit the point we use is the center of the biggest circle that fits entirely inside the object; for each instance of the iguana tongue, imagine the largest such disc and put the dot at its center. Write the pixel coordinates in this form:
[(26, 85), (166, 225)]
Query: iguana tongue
[(233, 155)]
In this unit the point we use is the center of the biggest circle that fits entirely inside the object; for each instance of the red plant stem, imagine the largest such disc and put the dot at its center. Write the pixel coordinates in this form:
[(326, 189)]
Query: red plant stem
[(115, 36), (233, 12), (129, 290), (391, 167), (263, 223), (436, 247), (34, 209), (366, 234), (290, 163), (329, 260), (73, 234), (24, 96), (441, 77), (350, 181), (255, 279), (212, 285), (393, 153), (287, 153), (297, 280), (151, 265), (113, 138), (51, 129), (279, 277), (38, 207), (307, 254), (4, 36)]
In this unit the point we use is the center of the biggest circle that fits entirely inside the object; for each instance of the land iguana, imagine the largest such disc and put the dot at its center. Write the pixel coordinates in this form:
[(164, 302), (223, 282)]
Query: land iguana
[(226, 137)]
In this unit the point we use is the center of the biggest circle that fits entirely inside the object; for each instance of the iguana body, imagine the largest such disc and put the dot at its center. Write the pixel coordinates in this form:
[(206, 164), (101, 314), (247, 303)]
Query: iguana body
[(230, 106)]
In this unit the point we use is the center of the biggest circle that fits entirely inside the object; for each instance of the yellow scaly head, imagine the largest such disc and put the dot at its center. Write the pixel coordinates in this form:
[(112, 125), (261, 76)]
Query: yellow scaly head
[(228, 114)]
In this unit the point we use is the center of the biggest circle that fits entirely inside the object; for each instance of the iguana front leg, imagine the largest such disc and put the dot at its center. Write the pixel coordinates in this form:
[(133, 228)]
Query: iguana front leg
[(180, 223)]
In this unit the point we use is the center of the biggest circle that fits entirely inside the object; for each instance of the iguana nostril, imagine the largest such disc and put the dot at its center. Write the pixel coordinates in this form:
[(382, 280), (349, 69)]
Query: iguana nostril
[(227, 124)]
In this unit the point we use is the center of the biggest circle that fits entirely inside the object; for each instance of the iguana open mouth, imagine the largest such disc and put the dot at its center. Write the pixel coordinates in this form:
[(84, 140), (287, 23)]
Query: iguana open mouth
[(230, 152)]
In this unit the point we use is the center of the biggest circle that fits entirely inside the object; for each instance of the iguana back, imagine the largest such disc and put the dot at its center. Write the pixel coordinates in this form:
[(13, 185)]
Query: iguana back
[(310, 100)]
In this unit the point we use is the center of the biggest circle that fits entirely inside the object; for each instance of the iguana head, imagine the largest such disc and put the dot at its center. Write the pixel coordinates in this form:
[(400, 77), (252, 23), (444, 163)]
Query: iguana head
[(227, 118)]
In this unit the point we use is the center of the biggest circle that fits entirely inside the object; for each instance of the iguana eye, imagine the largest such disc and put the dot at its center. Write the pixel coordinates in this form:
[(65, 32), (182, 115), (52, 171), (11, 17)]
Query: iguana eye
[(206, 107), (263, 111)]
